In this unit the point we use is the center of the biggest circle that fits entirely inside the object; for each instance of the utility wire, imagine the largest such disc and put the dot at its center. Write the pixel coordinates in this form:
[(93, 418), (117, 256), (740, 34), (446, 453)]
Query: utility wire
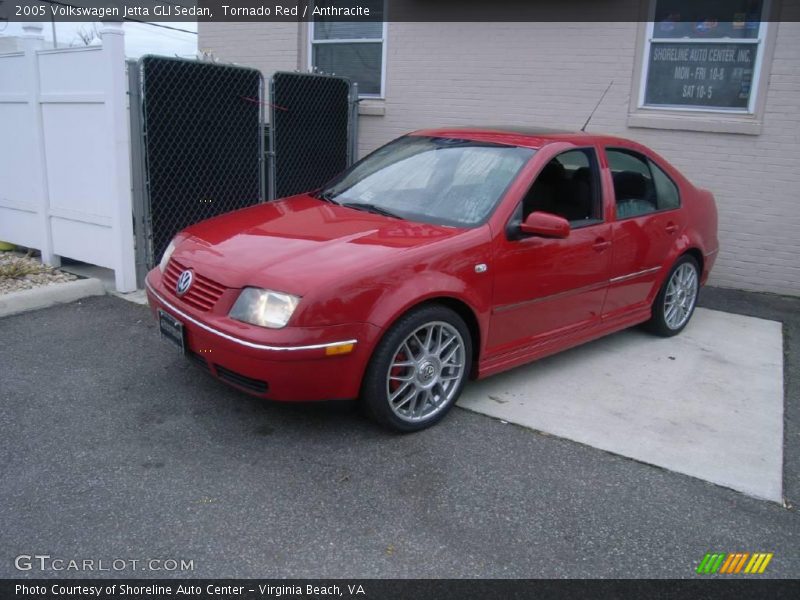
[(160, 25)]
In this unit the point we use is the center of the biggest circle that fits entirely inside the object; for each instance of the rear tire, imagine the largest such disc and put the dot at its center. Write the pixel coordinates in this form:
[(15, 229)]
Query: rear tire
[(676, 300), (418, 369)]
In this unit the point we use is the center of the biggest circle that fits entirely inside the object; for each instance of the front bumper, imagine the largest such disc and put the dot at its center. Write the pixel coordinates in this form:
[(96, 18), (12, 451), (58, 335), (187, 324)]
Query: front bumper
[(292, 364)]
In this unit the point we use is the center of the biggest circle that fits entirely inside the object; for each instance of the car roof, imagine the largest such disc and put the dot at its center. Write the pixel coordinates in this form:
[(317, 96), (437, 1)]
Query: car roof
[(528, 137)]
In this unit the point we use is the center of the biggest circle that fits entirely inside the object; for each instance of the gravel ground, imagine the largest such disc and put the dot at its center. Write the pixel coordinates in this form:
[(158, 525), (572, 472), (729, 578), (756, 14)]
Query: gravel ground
[(23, 272)]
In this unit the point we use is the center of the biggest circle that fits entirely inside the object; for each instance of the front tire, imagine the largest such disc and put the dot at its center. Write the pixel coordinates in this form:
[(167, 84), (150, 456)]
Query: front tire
[(418, 369), (675, 303)]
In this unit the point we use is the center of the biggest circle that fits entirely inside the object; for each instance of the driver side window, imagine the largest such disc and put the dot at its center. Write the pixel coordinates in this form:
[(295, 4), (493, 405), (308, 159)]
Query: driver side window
[(568, 186)]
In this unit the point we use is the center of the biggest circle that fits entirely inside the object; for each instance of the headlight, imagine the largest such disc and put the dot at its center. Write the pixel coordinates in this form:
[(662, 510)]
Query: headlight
[(166, 256), (264, 307)]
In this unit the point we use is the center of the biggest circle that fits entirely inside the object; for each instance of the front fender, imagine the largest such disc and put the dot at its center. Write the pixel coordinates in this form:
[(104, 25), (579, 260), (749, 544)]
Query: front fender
[(474, 295), (380, 296)]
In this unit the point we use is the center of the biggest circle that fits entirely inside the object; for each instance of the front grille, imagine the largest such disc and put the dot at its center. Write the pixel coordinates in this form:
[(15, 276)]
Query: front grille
[(251, 385), (202, 294)]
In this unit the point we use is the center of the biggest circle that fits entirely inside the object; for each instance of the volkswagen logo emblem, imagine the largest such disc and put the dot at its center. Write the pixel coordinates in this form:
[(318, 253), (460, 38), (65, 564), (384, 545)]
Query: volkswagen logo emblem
[(427, 371), (184, 282)]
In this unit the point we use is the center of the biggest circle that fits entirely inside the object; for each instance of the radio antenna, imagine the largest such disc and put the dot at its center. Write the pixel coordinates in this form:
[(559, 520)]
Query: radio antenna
[(597, 106)]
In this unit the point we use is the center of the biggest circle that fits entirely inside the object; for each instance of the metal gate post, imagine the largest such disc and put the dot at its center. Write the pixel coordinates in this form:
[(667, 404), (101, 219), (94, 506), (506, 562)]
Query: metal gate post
[(261, 149), (141, 204), (352, 130), (271, 154)]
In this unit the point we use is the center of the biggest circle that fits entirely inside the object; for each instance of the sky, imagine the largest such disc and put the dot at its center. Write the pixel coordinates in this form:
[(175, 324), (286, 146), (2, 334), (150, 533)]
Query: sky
[(140, 38)]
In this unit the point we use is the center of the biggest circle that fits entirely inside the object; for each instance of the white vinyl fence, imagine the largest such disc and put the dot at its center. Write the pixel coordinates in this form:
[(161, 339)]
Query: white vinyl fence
[(65, 185)]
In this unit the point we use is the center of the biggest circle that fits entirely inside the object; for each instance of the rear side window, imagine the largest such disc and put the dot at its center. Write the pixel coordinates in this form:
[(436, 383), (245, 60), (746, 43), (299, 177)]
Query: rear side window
[(667, 196), (634, 189), (640, 186)]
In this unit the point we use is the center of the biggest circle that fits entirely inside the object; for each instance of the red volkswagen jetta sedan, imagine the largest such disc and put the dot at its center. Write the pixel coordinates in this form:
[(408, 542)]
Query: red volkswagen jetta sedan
[(445, 255)]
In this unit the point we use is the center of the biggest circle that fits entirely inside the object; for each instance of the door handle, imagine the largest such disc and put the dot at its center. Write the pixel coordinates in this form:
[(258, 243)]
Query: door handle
[(671, 227), (600, 244)]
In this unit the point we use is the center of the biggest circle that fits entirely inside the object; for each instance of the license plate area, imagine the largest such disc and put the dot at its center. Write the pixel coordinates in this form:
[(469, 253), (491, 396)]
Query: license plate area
[(172, 330)]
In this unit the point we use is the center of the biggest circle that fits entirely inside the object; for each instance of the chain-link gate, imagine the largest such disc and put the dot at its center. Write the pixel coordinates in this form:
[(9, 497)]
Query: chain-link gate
[(313, 130), (198, 137), (202, 147)]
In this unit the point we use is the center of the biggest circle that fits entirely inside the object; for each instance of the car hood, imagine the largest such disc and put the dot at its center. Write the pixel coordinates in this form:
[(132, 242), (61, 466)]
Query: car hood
[(295, 244)]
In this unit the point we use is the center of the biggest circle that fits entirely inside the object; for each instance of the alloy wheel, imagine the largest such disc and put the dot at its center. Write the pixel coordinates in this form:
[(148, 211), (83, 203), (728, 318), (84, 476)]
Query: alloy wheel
[(681, 296), (426, 371)]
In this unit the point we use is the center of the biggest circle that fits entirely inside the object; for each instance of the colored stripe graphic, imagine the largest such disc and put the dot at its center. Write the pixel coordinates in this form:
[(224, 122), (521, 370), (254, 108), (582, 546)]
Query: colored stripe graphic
[(710, 563), (734, 562), (758, 564)]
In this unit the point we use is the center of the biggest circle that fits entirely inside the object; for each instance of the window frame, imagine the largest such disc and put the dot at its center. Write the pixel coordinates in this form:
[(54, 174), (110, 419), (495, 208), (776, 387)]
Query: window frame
[(597, 169), (701, 118), (312, 42), (651, 163), (647, 160)]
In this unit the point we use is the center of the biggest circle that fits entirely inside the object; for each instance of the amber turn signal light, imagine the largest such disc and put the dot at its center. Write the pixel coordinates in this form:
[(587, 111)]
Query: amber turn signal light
[(343, 349)]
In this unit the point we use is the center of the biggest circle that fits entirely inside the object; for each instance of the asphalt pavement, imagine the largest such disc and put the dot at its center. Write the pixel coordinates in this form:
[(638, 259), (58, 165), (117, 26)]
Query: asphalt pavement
[(113, 447)]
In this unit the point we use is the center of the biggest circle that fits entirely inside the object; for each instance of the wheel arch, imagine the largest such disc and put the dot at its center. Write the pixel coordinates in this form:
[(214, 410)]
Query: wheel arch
[(464, 310), (458, 306), (686, 249), (695, 253), (658, 322)]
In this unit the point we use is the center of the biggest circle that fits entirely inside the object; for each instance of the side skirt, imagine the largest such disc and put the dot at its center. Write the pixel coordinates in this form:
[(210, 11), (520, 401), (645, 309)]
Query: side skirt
[(553, 345)]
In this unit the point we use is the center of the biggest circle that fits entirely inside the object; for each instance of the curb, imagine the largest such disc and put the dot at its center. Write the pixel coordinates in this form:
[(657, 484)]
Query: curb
[(138, 297), (49, 295)]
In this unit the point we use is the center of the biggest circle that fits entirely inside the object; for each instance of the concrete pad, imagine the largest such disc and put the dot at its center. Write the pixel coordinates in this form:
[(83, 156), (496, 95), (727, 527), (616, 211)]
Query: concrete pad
[(49, 295), (707, 403)]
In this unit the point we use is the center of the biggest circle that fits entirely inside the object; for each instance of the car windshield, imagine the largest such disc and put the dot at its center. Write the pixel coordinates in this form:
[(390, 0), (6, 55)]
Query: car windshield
[(438, 180)]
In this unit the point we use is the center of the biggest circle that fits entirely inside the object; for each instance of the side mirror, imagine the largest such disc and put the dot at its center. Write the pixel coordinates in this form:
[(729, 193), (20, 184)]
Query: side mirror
[(545, 225)]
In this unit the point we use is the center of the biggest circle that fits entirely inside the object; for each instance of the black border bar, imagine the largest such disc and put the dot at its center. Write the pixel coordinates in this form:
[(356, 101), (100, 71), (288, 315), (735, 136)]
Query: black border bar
[(419, 589), (361, 10)]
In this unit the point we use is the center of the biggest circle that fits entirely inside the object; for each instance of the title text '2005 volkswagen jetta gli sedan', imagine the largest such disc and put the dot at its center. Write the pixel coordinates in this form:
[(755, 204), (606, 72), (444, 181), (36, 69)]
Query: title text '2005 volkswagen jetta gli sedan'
[(447, 254)]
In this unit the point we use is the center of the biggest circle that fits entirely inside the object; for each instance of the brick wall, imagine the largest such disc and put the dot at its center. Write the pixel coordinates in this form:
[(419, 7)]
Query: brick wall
[(267, 47), (552, 75)]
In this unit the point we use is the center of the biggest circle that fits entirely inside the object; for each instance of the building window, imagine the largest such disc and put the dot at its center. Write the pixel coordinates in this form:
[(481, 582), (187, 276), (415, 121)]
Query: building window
[(355, 50), (701, 59)]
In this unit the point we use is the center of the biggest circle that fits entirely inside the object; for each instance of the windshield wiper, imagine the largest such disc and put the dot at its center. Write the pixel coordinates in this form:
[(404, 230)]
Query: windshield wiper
[(327, 197), (371, 208)]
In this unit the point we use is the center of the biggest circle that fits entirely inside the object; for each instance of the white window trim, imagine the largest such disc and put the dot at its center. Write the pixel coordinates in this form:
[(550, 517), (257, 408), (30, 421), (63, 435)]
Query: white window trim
[(702, 118), (381, 40)]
